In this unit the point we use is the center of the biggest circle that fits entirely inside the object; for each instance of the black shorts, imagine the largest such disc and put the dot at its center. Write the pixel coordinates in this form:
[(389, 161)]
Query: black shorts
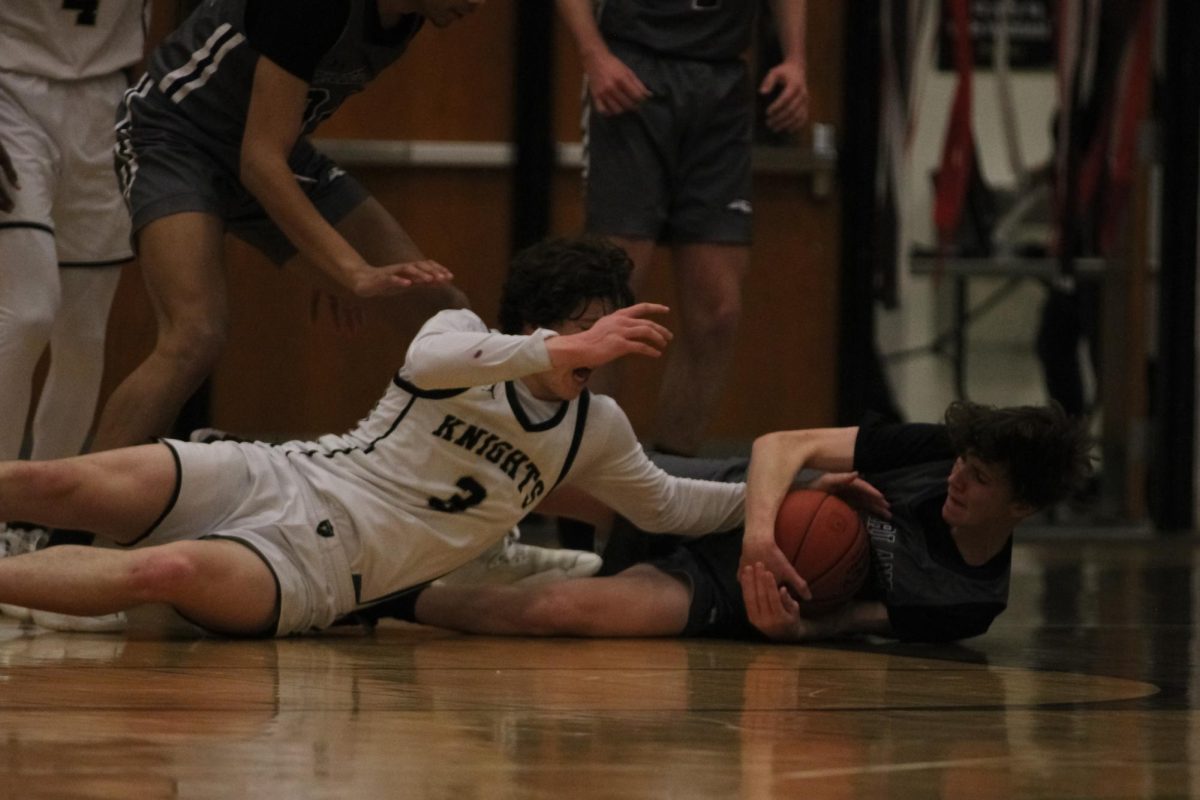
[(709, 565), (166, 168), (677, 168)]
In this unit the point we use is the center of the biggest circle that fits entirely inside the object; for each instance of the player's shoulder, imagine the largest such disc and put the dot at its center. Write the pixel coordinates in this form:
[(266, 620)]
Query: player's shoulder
[(454, 319)]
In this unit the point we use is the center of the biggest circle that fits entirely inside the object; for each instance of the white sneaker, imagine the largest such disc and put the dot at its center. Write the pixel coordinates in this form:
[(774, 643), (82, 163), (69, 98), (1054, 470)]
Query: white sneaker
[(509, 562), (104, 623), (15, 541)]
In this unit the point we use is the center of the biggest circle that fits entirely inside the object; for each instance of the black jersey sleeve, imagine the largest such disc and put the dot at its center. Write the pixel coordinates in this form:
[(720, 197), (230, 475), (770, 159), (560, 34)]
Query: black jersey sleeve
[(295, 34), (883, 446), (942, 623)]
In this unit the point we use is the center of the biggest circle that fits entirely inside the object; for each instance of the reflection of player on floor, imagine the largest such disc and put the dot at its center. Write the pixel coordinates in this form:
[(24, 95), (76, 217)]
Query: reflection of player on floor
[(475, 429), (941, 545)]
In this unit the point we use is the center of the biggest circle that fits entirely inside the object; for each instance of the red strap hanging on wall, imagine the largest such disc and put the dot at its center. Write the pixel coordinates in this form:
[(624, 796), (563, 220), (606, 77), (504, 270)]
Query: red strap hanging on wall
[(958, 152)]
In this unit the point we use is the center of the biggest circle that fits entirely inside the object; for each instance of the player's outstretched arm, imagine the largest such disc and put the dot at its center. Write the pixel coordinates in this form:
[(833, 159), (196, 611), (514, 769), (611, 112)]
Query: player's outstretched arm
[(626, 331)]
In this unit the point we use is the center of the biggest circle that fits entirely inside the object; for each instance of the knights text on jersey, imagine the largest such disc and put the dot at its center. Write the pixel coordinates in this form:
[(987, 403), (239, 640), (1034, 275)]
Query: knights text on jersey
[(71, 41)]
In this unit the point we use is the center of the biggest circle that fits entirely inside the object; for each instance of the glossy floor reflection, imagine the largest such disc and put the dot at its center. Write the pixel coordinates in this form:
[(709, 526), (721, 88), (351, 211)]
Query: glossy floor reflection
[(1085, 688)]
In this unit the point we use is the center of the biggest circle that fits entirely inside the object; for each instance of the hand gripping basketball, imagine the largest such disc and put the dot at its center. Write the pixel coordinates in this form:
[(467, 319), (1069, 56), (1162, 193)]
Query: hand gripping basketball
[(826, 542)]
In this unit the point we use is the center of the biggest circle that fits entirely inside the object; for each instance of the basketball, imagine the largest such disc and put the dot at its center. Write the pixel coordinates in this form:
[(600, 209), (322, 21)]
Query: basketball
[(826, 542)]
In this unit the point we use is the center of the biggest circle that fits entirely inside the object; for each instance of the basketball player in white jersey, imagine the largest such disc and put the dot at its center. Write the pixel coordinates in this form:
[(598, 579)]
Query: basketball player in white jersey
[(476, 428), (64, 228)]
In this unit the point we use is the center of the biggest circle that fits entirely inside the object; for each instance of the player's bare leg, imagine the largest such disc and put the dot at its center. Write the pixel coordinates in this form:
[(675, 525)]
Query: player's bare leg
[(708, 282), (118, 494), (641, 601), (181, 260), (220, 585)]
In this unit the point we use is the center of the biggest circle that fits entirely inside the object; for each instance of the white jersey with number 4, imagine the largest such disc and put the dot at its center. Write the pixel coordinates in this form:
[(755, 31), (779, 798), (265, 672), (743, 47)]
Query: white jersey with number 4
[(71, 39)]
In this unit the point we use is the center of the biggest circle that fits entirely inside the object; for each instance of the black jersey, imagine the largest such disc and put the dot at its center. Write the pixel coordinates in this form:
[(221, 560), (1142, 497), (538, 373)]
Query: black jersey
[(203, 73), (930, 592)]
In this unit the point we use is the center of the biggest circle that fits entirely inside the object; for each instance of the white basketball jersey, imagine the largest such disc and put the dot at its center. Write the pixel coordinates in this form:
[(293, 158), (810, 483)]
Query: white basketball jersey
[(432, 477), (71, 39)]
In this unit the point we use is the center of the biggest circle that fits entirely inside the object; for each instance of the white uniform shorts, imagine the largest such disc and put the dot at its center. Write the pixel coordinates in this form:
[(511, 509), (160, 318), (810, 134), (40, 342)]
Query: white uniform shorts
[(60, 137), (251, 494)]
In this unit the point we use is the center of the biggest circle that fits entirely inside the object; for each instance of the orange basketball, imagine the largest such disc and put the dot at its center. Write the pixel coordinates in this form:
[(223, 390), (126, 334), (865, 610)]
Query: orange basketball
[(827, 544)]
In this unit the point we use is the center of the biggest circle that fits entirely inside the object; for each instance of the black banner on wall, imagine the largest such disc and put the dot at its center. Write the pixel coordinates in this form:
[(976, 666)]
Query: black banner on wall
[(1030, 26)]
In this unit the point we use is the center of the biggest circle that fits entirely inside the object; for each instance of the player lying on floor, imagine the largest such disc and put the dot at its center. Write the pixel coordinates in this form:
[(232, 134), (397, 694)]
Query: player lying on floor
[(476, 428), (941, 547)]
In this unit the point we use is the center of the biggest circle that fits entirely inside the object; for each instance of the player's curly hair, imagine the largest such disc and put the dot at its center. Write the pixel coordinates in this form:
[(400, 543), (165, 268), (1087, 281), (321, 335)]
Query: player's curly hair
[(552, 281), (1047, 454)]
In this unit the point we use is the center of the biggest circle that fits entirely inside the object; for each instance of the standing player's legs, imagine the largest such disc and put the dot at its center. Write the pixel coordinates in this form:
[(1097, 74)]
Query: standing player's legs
[(708, 284), (29, 289), (29, 298), (181, 260), (641, 601), (607, 380), (67, 406)]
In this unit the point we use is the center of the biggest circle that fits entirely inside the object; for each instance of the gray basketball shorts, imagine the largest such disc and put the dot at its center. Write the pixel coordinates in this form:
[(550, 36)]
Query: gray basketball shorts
[(166, 167), (677, 168), (250, 494)]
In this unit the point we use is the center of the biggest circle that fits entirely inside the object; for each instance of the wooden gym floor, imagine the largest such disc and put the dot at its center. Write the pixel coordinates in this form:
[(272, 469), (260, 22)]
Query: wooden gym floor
[(1086, 687)]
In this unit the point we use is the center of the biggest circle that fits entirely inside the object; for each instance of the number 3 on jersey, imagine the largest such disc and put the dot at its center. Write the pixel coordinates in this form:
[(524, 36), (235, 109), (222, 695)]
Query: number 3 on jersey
[(472, 494), (86, 8)]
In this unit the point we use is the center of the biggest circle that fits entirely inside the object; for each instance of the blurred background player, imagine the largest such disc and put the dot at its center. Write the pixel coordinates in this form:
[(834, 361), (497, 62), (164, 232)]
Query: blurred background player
[(668, 127), (64, 228)]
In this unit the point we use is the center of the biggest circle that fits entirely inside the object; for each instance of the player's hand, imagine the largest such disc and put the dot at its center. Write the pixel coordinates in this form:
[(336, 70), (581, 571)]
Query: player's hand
[(774, 611), (769, 606), (395, 278), (624, 332), (763, 550), (859, 494), (788, 112), (347, 315), (614, 87), (10, 179)]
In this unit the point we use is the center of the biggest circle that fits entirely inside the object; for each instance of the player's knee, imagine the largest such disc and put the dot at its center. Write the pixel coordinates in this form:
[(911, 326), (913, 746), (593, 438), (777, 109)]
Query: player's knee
[(29, 319), (159, 574), (718, 322), (194, 343)]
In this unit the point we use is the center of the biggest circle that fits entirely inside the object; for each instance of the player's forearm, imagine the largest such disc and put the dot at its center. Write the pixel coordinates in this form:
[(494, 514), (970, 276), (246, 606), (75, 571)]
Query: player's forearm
[(454, 359), (580, 19), (791, 22), (270, 180), (775, 458)]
